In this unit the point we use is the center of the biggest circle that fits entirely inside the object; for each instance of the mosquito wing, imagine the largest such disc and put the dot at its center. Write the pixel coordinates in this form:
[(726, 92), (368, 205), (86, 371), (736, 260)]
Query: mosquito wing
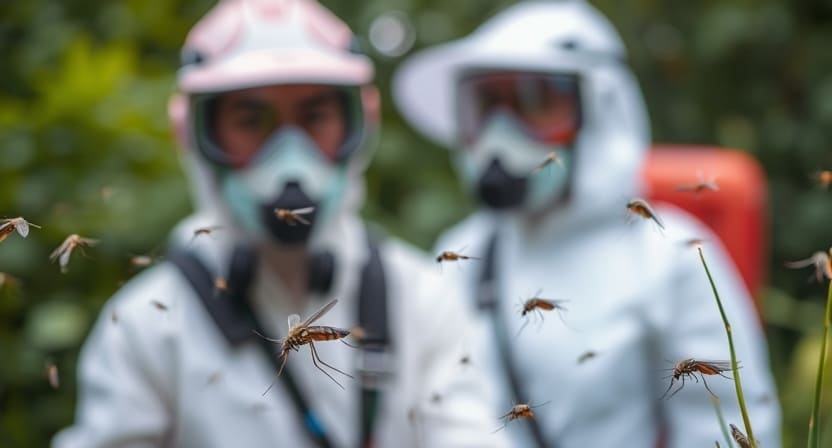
[(303, 211), (816, 258), (59, 251), (89, 241), (23, 228), (720, 366), (63, 261), (294, 320), (317, 314)]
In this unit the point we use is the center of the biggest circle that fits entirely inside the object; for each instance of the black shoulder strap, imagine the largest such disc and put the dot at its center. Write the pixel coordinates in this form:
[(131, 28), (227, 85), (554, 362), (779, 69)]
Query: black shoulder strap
[(374, 364), (233, 315), (231, 311), (487, 301)]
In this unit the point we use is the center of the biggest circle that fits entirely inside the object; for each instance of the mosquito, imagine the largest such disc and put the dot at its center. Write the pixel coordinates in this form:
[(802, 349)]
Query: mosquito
[(302, 333), (141, 261), (700, 186), (293, 217), (519, 411), (823, 178), (64, 251), (159, 305), (690, 367), (536, 305), (820, 260), (453, 256), (465, 360), (220, 284), (208, 230), (9, 225), (8, 279), (693, 242), (642, 208), (551, 158), (52, 374), (586, 356)]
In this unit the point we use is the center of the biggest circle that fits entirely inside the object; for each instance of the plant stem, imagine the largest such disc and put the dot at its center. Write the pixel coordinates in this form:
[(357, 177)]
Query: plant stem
[(737, 381), (722, 424), (814, 429)]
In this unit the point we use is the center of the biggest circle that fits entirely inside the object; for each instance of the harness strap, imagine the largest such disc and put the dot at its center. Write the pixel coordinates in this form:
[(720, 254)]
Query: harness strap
[(233, 315), (487, 301), (231, 311)]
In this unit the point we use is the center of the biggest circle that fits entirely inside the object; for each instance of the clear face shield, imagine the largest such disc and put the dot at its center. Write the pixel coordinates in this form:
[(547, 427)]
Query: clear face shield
[(231, 128), (280, 153), (518, 130)]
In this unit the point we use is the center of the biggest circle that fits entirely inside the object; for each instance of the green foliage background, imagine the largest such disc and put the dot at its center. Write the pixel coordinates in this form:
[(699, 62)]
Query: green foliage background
[(85, 147)]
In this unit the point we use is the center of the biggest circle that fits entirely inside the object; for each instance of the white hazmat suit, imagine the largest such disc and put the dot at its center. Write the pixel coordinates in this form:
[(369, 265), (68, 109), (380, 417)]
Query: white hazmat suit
[(157, 370), (638, 298)]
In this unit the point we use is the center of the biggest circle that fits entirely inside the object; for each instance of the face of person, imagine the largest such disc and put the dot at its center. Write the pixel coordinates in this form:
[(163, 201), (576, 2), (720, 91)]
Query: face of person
[(244, 119)]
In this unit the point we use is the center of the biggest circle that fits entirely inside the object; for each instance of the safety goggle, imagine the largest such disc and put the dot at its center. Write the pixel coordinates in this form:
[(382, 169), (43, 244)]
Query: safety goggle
[(231, 128), (546, 105)]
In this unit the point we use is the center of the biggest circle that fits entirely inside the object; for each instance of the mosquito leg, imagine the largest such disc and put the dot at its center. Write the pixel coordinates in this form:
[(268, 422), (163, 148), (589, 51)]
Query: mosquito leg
[(501, 427), (668, 389), (319, 367), (315, 354), (348, 344), (709, 389), (268, 339), (279, 371), (283, 364), (522, 327), (677, 390)]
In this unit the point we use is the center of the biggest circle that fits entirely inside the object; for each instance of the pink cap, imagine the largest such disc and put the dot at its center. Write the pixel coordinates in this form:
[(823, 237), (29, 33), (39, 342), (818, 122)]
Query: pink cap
[(249, 43)]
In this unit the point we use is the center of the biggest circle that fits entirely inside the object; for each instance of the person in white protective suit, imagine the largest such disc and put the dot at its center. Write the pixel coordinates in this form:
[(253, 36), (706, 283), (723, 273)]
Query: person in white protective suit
[(547, 81), (276, 108)]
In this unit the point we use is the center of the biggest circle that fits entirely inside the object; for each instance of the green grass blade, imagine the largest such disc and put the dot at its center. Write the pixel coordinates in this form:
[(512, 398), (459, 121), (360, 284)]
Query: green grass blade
[(736, 371), (814, 427)]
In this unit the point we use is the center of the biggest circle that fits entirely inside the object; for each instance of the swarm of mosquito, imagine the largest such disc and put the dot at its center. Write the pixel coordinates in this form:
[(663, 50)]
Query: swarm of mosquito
[(64, 251), (822, 261), (518, 411), (688, 368), (534, 307), (303, 333), (641, 208), (293, 217), (19, 224)]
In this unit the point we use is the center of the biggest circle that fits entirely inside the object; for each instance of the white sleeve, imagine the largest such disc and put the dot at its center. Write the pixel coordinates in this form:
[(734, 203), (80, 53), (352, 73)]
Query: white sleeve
[(120, 400), (692, 327), (459, 410)]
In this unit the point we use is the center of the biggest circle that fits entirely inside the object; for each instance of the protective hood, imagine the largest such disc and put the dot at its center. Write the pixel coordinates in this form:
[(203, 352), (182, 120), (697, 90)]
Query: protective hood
[(249, 43), (554, 37)]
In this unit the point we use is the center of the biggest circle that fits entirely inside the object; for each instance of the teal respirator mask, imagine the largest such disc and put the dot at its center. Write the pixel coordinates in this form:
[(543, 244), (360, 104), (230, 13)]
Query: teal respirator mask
[(288, 187), (518, 131)]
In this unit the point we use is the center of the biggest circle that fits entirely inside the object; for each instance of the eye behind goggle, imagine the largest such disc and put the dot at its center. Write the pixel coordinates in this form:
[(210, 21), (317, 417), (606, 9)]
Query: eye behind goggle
[(546, 105), (231, 128)]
